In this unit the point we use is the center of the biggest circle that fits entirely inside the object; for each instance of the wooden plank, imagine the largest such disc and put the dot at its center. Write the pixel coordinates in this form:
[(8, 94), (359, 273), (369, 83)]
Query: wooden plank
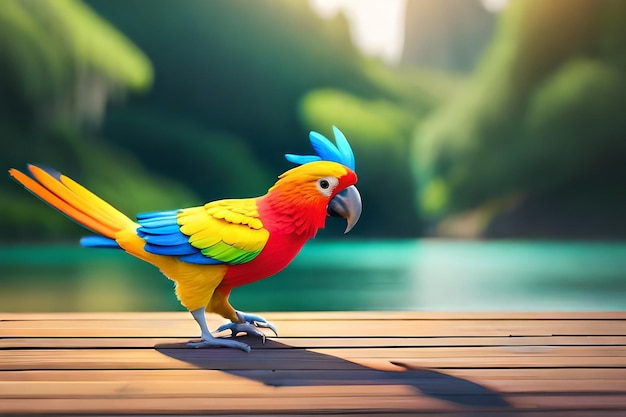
[(307, 404), (225, 359), (235, 387), (303, 342), (568, 402), (89, 315), (271, 350), (473, 352), (175, 375), (330, 315), (216, 406), (224, 385), (536, 373), (221, 359), (507, 362), (332, 328)]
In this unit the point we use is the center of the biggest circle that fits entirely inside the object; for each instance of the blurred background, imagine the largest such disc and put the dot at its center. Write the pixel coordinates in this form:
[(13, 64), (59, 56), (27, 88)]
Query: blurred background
[(490, 139)]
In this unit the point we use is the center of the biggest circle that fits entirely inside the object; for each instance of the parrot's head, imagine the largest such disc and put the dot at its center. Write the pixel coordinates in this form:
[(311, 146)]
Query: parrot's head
[(317, 189), (320, 186)]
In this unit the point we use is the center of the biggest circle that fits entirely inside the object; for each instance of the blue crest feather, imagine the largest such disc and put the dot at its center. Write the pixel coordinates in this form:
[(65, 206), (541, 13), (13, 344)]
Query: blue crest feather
[(326, 150), (301, 159)]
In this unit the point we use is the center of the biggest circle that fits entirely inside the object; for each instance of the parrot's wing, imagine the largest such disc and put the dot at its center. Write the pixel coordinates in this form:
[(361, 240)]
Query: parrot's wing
[(221, 232)]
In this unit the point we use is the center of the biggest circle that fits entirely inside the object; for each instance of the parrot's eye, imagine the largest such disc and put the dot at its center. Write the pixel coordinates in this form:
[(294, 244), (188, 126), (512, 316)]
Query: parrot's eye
[(326, 185)]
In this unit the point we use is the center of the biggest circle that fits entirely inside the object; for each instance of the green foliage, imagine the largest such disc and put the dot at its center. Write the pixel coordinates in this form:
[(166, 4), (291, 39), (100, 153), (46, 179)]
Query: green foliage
[(415, 88), (377, 122), (577, 103), (59, 66), (542, 111), (214, 164), (57, 57)]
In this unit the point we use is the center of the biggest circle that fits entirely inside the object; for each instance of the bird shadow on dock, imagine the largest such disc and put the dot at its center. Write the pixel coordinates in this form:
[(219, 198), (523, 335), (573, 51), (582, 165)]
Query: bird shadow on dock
[(307, 368)]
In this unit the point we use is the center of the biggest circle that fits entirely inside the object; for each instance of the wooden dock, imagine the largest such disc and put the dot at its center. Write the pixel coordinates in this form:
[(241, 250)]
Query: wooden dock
[(392, 363)]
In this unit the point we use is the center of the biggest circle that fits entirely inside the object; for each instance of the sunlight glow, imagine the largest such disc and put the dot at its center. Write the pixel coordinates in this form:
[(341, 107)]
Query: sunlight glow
[(495, 6), (376, 26)]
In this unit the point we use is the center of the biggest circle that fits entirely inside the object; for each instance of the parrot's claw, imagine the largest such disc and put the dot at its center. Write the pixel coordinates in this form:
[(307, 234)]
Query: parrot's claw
[(257, 321), (211, 342), (249, 324), (237, 328), (266, 325)]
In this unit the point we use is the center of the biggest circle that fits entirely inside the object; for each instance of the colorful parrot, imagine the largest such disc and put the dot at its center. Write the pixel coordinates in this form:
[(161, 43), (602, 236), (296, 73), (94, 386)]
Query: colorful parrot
[(208, 250)]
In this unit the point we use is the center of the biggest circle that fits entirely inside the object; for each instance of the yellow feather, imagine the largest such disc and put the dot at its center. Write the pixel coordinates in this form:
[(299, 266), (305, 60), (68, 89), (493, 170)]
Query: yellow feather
[(255, 224), (121, 220), (202, 242), (199, 217), (192, 211), (241, 237)]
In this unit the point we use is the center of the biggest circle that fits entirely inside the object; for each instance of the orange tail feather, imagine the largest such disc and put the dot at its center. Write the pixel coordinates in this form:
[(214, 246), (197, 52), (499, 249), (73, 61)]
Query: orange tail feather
[(73, 200)]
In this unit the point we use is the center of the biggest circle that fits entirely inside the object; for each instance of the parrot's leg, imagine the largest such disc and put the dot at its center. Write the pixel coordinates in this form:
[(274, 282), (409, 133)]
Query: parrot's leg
[(208, 340)]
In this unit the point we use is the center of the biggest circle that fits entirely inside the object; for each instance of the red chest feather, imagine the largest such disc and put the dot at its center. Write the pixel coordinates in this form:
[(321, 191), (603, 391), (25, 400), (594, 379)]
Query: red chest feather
[(278, 252)]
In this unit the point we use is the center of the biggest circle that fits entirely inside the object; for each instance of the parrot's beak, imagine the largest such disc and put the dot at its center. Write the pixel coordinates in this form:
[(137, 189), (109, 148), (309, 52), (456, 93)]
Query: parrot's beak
[(346, 204)]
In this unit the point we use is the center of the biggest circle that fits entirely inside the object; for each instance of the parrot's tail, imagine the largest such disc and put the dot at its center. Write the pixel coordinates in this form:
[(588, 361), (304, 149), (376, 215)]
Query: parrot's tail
[(76, 202)]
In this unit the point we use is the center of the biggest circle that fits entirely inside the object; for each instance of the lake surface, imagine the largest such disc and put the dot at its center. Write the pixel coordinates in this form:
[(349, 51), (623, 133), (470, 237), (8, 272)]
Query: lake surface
[(418, 275)]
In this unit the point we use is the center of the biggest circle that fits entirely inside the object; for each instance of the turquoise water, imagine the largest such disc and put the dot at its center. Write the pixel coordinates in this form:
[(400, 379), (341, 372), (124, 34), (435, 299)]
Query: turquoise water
[(425, 275)]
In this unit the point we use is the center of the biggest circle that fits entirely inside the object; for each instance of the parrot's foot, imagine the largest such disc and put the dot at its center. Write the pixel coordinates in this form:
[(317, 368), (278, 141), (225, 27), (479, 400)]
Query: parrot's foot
[(208, 341), (250, 325)]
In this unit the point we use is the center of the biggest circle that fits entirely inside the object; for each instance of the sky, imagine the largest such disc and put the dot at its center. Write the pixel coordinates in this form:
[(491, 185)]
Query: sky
[(377, 26)]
